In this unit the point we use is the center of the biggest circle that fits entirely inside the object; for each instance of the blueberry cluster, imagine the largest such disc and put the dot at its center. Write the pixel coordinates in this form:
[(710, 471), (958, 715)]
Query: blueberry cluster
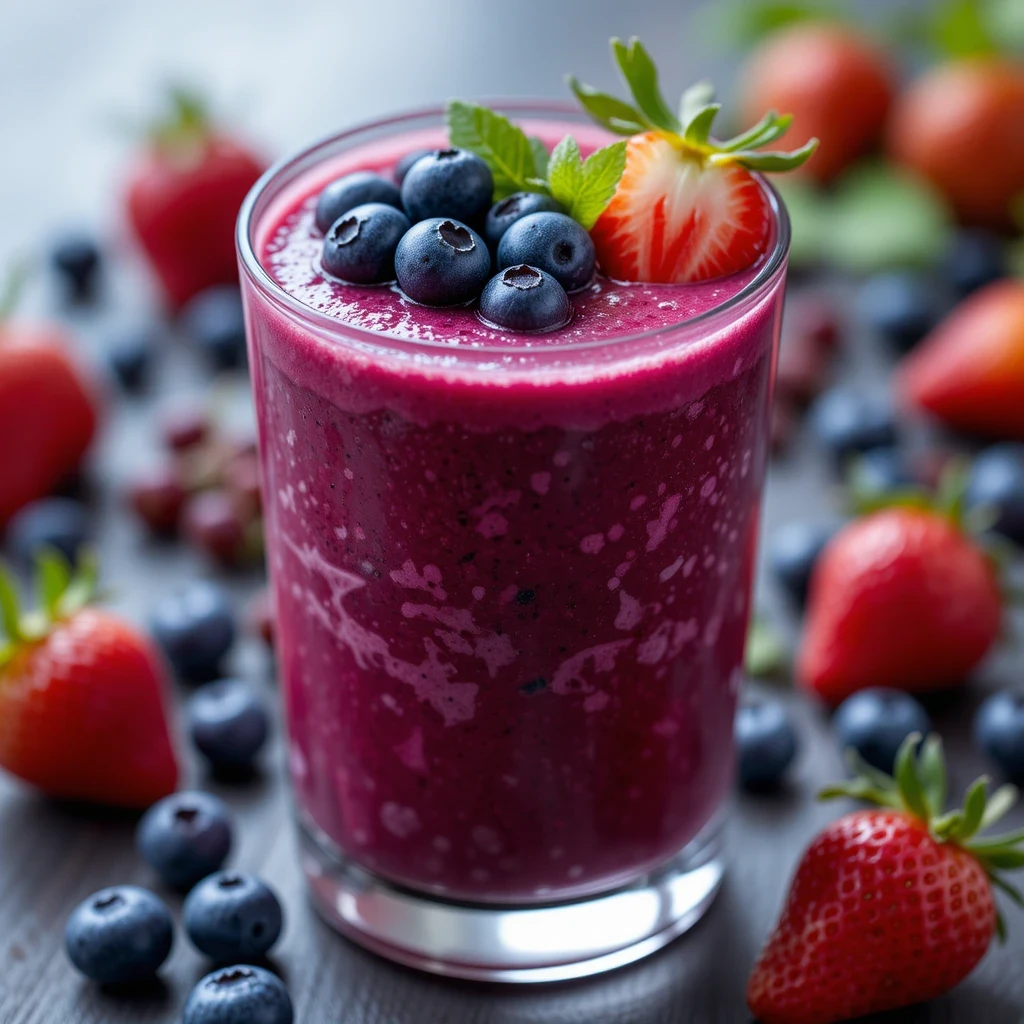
[(438, 233)]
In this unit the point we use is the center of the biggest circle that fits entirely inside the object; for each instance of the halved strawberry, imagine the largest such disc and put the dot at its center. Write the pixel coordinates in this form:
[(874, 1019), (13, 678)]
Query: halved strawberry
[(674, 218), (687, 207)]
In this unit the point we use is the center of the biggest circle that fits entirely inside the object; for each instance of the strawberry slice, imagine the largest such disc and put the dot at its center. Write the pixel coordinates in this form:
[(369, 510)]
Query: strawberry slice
[(687, 207), (673, 218)]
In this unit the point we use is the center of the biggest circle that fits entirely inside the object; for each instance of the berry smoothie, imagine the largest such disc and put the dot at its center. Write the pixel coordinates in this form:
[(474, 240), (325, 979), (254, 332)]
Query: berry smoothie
[(512, 572)]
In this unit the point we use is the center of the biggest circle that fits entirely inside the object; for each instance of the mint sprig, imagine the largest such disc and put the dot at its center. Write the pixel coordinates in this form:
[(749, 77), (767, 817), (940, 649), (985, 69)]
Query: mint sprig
[(520, 163)]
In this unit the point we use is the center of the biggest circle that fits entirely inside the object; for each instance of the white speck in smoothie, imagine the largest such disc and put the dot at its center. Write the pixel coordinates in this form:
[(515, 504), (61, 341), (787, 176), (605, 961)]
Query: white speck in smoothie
[(691, 564), (638, 502), (360, 533), (410, 751), (613, 583), (430, 580), (431, 476), (592, 543), (286, 495), (562, 459), (540, 482), (400, 821), (349, 475), (694, 410), (670, 570), (492, 525), (657, 529), (596, 701), (291, 437), (677, 440), (709, 443), (616, 532), (576, 871), (631, 611), (708, 487), (480, 875), (478, 593), (341, 532)]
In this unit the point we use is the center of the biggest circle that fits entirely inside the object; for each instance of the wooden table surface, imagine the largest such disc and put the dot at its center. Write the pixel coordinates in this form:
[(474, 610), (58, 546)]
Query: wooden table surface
[(68, 63)]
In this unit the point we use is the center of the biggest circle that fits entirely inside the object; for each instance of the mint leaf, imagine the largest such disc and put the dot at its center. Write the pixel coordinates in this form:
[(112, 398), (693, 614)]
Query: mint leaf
[(502, 145), (642, 78), (540, 157), (585, 188), (612, 113)]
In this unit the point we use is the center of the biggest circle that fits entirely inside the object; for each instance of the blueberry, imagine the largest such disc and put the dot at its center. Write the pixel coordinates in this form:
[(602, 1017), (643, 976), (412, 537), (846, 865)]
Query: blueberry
[(239, 995), (58, 523), (185, 837), (793, 552), (875, 722), (215, 323), (232, 916), (847, 421), (975, 259), (766, 743), (901, 305), (119, 935), (351, 191), (130, 358), (76, 258), (360, 245), (525, 299), (883, 471), (553, 242), (448, 183), (228, 723), (195, 625), (996, 483), (404, 165), (999, 731), (504, 213), (441, 262)]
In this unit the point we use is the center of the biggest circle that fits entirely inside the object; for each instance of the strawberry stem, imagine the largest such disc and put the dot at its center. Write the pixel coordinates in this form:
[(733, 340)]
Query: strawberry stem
[(11, 289)]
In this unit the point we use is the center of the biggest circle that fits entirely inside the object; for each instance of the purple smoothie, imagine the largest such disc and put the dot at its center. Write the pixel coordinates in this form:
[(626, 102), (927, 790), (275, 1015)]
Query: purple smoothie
[(512, 572)]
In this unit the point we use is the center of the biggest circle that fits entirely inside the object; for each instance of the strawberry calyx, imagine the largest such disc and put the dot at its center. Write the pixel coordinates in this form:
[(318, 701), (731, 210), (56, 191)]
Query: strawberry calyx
[(918, 788), (689, 131), (61, 593), (185, 126), (11, 287)]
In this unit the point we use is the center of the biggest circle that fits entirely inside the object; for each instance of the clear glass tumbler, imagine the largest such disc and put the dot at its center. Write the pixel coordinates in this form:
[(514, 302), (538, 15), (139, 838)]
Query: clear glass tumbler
[(512, 589)]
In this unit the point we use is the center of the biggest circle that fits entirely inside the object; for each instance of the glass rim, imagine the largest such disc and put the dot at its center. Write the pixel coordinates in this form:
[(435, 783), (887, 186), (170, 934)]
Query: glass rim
[(261, 279)]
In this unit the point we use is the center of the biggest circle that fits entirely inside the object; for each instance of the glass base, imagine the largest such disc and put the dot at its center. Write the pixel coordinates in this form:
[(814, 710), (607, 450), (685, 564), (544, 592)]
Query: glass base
[(550, 942)]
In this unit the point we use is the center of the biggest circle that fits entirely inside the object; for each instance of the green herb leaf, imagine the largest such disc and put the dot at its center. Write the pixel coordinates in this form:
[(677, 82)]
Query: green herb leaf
[(53, 575), (960, 28), (696, 98), (540, 159), (907, 778), (765, 654), (641, 76), (770, 162), (503, 146), (616, 115), (698, 130), (998, 807), (768, 129), (10, 612), (974, 808), (932, 769), (585, 188)]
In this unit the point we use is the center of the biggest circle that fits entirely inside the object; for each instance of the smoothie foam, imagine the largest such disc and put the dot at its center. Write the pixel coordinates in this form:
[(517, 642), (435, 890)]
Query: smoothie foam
[(512, 572)]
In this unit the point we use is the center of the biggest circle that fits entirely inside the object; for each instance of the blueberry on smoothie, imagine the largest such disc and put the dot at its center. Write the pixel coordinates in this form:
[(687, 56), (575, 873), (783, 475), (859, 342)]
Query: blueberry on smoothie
[(442, 262), (525, 299), (404, 165), (360, 245), (228, 723), (119, 935), (504, 213), (239, 995), (766, 743), (355, 189), (999, 731), (876, 721), (185, 837), (232, 916), (448, 183), (555, 243)]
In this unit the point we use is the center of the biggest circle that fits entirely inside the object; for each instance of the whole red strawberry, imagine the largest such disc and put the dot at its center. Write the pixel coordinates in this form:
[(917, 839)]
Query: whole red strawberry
[(902, 597), (687, 208), (82, 712), (888, 907), (969, 372), (48, 413), (183, 198)]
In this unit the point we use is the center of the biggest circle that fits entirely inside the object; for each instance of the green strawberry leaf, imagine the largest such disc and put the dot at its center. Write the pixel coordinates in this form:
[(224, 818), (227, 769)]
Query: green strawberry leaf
[(53, 576), (10, 609), (698, 129), (641, 76), (503, 146), (932, 769), (585, 188), (612, 113), (768, 129), (694, 100)]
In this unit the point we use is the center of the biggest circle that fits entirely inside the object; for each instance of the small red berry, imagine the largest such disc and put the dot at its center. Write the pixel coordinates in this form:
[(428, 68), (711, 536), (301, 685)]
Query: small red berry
[(158, 496), (185, 427), (212, 522)]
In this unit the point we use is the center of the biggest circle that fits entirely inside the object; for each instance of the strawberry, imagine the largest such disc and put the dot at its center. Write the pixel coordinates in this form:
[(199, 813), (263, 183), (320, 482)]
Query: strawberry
[(687, 208), (48, 414), (889, 906), (969, 372), (958, 126), (902, 597), (183, 197), (837, 84), (81, 696)]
